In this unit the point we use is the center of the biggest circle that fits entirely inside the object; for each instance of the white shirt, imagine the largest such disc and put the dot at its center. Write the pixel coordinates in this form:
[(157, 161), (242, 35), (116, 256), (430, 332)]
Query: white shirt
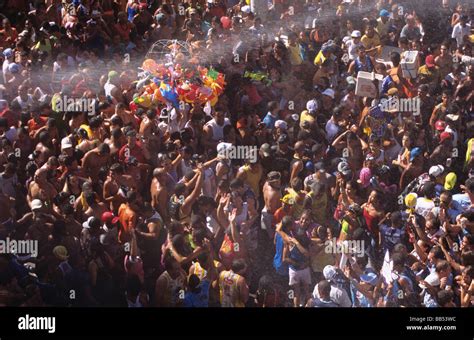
[(424, 206), (331, 130), (459, 32), (337, 295)]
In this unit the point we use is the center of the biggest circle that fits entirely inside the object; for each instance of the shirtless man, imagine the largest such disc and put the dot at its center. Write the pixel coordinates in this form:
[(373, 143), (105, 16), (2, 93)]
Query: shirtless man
[(113, 192), (95, 209), (41, 189), (116, 141), (159, 193), (272, 199), (94, 160), (150, 132), (44, 147), (126, 116)]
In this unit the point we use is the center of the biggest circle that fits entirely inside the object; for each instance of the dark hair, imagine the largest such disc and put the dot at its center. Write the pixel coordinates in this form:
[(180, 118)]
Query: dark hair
[(238, 265)]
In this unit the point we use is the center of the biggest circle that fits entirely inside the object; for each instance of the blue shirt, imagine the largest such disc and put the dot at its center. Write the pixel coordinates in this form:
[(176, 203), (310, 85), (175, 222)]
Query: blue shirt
[(200, 299), (269, 121), (280, 267)]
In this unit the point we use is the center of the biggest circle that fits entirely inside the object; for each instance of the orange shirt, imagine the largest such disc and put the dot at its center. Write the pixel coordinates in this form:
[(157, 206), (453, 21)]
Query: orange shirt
[(128, 221)]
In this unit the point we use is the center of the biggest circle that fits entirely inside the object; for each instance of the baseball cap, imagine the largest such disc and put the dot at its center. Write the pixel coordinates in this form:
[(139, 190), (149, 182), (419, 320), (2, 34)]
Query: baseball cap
[(61, 253), (329, 93), (312, 105), (369, 277), (432, 279), (384, 13), (14, 68), (7, 53), (440, 125), (246, 9), (109, 217), (370, 157), (436, 170), (410, 200), (36, 204), (66, 143), (223, 147), (351, 80), (266, 149), (131, 133), (450, 181), (444, 136), (91, 222), (415, 152), (329, 272), (356, 34), (343, 167), (288, 199), (281, 124), (430, 61), (273, 176), (453, 117)]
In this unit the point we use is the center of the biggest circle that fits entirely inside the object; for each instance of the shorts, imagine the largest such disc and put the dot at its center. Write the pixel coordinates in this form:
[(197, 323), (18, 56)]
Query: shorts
[(266, 220), (299, 276)]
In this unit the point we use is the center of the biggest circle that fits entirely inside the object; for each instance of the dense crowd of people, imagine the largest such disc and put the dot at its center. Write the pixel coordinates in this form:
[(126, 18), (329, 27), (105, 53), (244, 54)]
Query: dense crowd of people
[(345, 203)]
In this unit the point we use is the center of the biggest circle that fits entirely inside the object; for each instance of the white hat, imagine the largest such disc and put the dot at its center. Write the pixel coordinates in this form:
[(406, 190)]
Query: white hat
[(87, 223), (432, 280), (356, 34), (329, 272), (246, 9), (281, 124), (36, 204), (66, 143), (329, 93), (312, 105), (436, 170), (223, 148), (452, 117)]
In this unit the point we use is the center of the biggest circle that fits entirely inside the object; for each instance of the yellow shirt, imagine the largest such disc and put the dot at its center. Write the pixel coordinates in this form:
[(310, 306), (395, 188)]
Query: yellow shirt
[(305, 117), (370, 42), (295, 57)]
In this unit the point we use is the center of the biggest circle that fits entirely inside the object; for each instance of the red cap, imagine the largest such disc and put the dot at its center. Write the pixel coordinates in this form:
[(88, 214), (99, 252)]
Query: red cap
[(109, 217), (143, 5), (444, 135), (430, 61), (440, 125)]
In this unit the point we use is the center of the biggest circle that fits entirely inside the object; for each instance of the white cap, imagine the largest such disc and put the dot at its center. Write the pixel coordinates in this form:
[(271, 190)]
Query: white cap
[(246, 9), (222, 148), (281, 124), (329, 272), (86, 224), (432, 279), (436, 170), (36, 204), (329, 93), (66, 143), (356, 34), (312, 105)]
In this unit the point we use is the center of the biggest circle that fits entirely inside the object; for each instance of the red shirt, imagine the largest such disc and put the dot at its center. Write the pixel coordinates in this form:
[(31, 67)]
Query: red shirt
[(136, 152)]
